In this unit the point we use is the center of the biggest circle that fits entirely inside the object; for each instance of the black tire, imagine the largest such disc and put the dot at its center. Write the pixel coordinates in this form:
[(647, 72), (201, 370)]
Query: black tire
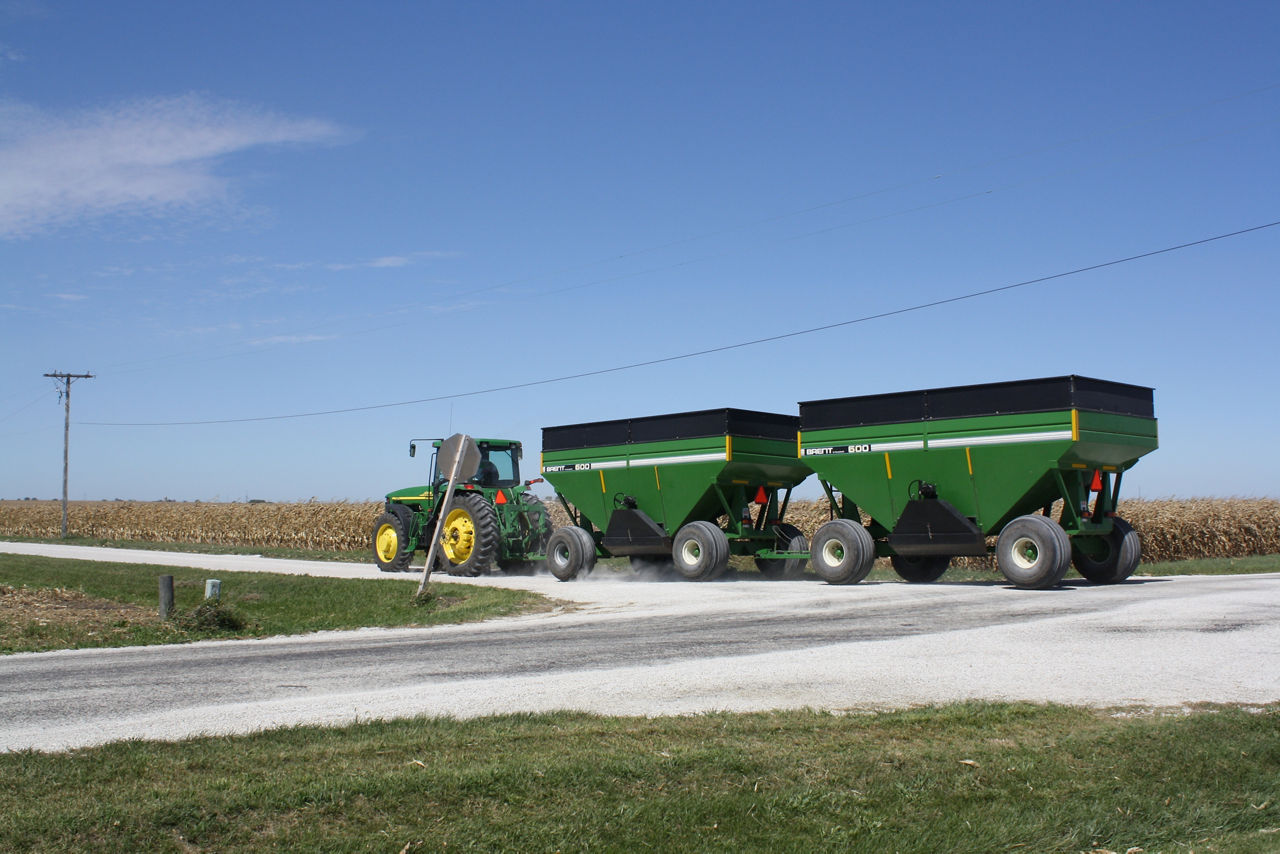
[(390, 536), (571, 553), (789, 539), (1033, 552), (1116, 557), (470, 539), (843, 552), (921, 569), (700, 551)]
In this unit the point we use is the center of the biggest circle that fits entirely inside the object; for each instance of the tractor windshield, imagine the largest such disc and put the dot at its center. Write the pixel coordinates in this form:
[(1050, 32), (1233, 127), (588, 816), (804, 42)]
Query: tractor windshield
[(498, 467)]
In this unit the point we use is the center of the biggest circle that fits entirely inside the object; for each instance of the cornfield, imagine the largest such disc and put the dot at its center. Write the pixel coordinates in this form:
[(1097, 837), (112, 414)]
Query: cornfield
[(1171, 529)]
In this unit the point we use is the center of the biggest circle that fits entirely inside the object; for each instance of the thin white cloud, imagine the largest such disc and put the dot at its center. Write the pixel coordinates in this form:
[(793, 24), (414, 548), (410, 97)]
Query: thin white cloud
[(152, 156), (24, 9), (292, 339), (71, 297), (386, 261)]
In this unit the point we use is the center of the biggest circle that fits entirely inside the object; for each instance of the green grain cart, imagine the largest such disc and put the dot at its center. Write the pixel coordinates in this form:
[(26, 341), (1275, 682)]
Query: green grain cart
[(931, 474), (686, 490)]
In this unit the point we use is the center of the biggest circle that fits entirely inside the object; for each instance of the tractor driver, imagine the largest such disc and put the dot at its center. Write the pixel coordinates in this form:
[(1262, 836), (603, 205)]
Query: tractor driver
[(487, 473)]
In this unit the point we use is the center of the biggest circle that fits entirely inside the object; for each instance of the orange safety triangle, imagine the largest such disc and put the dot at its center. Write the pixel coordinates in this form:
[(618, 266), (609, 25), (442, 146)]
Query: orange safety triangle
[(1096, 486), (762, 497), (500, 498)]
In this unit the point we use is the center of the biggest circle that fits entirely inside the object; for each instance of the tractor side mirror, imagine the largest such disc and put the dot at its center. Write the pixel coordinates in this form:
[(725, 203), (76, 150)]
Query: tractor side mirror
[(413, 449)]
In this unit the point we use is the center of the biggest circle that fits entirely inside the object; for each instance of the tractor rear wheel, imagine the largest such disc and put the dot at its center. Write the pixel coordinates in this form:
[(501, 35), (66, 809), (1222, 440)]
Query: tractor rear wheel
[(1033, 552), (571, 552), (469, 541), (1110, 559), (389, 540), (700, 551), (920, 569), (843, 552), (789, 539)]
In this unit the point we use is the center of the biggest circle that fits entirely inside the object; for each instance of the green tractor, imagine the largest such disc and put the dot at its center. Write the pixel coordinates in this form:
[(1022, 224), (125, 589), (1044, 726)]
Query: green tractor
[(493, 519)]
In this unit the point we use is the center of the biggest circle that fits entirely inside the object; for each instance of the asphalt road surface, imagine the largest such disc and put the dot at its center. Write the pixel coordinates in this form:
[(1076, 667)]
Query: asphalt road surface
[(632, 647)]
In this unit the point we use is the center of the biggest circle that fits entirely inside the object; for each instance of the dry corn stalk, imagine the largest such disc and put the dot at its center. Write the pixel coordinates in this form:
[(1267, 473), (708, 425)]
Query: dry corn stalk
[(1171, 529)]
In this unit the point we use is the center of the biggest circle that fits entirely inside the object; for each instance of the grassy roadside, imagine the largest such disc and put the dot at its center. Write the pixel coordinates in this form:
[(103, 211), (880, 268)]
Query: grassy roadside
[(967, 777), (55, 603), (361, 556)]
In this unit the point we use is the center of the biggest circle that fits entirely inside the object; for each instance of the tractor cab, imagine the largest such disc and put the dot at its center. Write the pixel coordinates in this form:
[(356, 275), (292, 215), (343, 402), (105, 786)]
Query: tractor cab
[(499, 463)]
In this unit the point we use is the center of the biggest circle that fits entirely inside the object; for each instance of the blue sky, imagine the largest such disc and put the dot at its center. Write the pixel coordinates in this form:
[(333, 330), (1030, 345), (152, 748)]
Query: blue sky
[(245, 210)]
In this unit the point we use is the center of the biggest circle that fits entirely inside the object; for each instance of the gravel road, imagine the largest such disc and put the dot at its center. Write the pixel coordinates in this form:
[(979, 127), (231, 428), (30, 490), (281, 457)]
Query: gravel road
[(636, 648)]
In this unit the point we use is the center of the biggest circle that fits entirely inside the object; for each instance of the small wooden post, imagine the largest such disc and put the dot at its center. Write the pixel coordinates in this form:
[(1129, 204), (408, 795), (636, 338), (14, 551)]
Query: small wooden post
[(166, 596)]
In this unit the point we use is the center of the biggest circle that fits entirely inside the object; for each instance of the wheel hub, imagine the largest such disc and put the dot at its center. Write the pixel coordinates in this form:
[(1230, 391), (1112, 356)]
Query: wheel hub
[(388, 543), (832, 553), (1025, 553), (459, 536)]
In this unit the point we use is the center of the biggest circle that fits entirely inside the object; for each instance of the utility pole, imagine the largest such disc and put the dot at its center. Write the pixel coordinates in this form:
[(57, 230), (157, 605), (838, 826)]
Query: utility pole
[(65, 394)]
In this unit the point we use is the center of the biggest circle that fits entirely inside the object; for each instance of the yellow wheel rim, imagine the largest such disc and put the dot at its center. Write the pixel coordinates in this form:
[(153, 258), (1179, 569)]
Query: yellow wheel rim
[(388, 543), (459, 536)]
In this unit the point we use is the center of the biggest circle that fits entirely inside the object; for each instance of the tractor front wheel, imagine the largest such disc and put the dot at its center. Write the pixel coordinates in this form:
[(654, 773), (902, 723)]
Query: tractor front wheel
[(469, 542), (389, 539)]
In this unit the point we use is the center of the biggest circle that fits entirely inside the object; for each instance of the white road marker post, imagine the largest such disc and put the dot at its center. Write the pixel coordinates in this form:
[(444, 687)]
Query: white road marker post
[(460, 454)]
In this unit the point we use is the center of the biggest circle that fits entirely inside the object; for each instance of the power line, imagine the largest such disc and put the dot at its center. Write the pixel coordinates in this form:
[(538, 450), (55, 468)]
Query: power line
[(708, 351), (25, 406), (971, 167), (250, 347)]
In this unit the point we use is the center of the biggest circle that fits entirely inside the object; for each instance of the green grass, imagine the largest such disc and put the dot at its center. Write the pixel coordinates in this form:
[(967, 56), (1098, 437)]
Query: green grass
[(269, 603), (969, 777), (1213, 566)]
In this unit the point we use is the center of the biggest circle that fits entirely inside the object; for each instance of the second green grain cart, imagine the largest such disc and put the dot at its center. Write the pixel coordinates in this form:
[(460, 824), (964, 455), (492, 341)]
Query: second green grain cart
[(933, 473)]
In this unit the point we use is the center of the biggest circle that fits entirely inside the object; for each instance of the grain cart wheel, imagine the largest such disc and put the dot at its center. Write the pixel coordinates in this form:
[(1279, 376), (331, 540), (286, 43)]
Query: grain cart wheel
[(843, 552), (469, 541), (789, 539), (1031, 553), (1110, 559), (571, 552), (700, 551), (920, 569), (389, 539)]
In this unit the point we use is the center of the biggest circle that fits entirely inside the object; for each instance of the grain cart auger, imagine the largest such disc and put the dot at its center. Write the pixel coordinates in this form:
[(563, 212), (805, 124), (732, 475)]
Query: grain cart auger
[(493, 520), (936, 472), (685, 490)]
